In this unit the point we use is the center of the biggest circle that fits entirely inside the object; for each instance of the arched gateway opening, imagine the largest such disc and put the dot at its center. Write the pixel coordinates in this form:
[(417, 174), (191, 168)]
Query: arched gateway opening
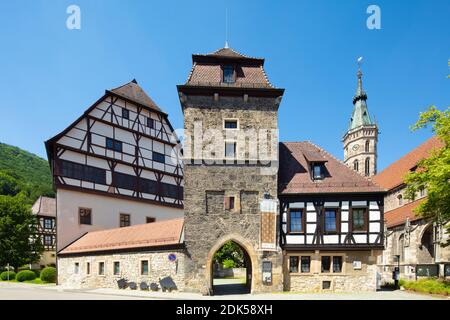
[(230, 269)]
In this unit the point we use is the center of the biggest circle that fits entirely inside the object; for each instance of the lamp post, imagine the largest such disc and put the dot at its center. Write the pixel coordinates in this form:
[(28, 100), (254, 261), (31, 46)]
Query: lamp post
[(397, 272)]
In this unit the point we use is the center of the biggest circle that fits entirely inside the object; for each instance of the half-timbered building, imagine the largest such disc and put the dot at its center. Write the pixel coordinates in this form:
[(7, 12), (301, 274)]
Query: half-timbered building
[(331, 227), (45, 210), (116, 165)]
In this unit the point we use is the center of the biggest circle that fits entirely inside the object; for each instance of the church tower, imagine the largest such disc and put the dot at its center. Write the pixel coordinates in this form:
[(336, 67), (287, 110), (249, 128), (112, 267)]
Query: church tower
[(360, 140)]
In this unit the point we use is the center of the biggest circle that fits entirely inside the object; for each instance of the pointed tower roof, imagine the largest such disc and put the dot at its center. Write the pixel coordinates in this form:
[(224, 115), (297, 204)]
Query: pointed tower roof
[(360, 116), (132, 91)]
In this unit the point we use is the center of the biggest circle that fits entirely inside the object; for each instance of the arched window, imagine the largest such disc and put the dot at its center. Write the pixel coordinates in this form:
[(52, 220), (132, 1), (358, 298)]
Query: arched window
[(367, 146), (427, 243), (400, 200), (356, 165), (367, 167)]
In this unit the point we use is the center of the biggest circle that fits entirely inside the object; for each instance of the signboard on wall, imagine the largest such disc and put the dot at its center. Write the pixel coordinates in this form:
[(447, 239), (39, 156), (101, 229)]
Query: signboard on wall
[(268, 232), (357, 265), (427, 270)]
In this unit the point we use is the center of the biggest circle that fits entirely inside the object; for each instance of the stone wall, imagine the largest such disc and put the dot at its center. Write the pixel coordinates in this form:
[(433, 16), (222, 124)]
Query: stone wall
[(207, 224), (349, 280), (130, 268), (413, 253)]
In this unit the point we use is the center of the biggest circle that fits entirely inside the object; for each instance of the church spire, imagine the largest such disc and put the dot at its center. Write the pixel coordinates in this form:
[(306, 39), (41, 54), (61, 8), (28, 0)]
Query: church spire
[(360, 116)]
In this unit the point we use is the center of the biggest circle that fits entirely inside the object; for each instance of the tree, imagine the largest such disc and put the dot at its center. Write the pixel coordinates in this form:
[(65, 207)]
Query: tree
[(18, 226), (230, 251), (433, 173)]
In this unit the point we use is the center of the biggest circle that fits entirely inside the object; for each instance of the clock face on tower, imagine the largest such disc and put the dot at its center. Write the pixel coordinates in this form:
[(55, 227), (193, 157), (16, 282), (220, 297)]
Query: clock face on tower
[(355, 147)]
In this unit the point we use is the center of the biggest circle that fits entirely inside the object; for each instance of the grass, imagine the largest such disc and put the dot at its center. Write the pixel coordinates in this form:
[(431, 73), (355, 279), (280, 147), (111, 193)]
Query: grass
[(428, 285)]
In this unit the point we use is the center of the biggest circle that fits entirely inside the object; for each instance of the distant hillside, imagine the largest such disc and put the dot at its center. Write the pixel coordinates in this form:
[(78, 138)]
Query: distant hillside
[(22, 171)]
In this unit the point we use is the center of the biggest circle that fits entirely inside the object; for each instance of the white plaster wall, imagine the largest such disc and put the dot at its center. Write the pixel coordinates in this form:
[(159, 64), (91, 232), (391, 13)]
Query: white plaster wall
[(105, 213)]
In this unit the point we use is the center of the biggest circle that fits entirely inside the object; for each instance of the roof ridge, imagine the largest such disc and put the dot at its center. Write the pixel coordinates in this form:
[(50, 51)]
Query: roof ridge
[(368, 179)]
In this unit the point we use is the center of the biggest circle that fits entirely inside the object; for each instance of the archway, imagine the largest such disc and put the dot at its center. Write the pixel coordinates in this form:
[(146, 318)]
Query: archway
[(427, 244), (230, 267)]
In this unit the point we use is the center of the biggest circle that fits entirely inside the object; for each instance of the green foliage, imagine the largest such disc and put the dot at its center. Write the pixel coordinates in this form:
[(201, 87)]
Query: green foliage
[(4, 275), (429, 285), (18, 226), (48, 274), (228, 263), (433, 173), (37, 273), (24, 173), (230, 251), (25, 275)]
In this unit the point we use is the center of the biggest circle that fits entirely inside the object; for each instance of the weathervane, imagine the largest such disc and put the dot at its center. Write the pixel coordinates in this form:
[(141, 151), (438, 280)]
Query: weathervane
[(360, 61)]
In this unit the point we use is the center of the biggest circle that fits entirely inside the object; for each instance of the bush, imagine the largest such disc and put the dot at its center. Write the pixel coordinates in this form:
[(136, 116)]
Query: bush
[(37, 272), (48, 274), (228, 263), (4, 275), (429, 285), (25, 275)]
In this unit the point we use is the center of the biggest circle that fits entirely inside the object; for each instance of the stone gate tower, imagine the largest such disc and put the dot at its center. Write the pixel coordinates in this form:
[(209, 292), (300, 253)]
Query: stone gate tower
[(360, 141), (230, 168)]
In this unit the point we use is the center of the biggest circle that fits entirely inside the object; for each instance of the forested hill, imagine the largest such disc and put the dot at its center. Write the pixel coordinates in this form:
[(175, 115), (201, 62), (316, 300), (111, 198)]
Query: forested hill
[(23, 172)]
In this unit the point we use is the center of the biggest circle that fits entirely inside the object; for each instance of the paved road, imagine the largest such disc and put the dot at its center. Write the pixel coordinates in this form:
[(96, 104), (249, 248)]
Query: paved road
[(20, 291)]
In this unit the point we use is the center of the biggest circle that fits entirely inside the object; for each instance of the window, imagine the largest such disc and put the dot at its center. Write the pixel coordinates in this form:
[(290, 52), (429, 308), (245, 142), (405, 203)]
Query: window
[(124, 220), (170, 190), (330, 223), (82, 172), (367, 167), (76, 268), (293, 264), (158, 157), (305, 264), (150, 123), (48, 240), (356, 165), (230, 124), (144, 267), (228, 74), (422, 192), (337, 264), (317, 171), (358, 220), (150, 220), (48, 223), (125, 113), (400, 200), (124, 181), (101, 268), (88, 268), (229, 203), (296, 220), (116, 268), (85, 215), (113, 144), (230, 149), (326, 264), (367, 148)]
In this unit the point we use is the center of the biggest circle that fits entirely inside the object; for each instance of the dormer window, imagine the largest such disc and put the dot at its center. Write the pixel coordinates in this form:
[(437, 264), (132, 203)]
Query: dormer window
[(228, 74), (317, 171)]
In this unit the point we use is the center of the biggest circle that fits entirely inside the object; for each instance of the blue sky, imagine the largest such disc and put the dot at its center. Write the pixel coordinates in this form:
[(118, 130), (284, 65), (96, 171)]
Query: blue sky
[(49, 74)]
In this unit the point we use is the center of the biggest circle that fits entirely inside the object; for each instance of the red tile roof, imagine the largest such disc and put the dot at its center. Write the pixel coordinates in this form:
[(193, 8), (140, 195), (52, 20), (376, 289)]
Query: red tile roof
[(162, 233), (394, 174), (206, 70), (398, 216), (44, 206), (294, 176), (134, 92)]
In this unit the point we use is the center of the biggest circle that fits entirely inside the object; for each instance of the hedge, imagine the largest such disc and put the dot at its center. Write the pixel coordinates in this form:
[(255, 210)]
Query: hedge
[(48, 274), (4, 275), (25, 275), (429, 285)]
